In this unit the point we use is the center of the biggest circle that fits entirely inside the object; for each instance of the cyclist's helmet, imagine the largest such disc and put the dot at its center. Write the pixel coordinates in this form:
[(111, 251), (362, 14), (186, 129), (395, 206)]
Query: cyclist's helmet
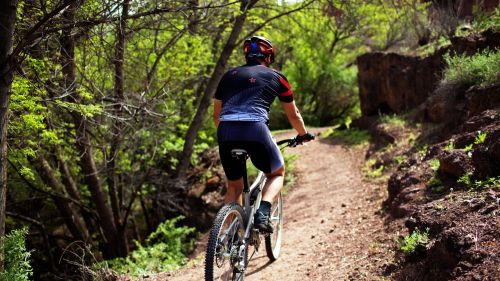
[(259, 47)]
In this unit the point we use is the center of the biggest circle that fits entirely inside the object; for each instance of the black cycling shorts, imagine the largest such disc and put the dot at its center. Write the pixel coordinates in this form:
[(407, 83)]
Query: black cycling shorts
[(256, 139)]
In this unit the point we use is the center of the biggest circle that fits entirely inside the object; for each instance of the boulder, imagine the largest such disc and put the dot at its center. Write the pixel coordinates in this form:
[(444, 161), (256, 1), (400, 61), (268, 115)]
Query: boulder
[(486, 156), (454, 163), (480, 99)]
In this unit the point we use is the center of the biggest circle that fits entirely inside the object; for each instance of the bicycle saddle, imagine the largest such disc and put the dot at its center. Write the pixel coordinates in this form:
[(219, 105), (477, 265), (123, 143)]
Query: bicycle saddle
[(239, 153)]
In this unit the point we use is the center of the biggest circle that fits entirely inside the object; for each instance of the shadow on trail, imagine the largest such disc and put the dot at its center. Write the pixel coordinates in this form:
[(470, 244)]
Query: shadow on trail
[(260, 267)]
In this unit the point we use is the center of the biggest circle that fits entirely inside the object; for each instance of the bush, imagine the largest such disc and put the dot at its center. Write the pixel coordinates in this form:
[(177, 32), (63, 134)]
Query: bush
[(17, 265), (481, 69), (165, 250)]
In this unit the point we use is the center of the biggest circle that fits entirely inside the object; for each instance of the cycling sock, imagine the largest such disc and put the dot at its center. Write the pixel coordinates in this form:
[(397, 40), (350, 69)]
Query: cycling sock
[(265, 207)]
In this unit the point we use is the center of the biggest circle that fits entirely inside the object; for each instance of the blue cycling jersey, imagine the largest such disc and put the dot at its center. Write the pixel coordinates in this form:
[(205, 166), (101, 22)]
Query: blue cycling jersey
[(248, 91)]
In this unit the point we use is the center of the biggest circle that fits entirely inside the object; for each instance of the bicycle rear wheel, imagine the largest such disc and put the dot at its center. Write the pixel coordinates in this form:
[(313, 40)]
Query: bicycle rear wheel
[(226, 255), (273, 241)]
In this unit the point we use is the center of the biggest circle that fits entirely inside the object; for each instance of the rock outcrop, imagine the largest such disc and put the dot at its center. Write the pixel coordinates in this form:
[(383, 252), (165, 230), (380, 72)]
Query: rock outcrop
[(394, 83)]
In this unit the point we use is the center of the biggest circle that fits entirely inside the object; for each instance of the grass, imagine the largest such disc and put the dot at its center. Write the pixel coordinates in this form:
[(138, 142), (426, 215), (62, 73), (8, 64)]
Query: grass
[(396, 120), (481, 69), (351, 136)]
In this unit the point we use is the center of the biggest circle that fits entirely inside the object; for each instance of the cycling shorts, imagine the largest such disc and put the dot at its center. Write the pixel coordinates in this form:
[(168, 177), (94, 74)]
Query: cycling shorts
[(256, 139)]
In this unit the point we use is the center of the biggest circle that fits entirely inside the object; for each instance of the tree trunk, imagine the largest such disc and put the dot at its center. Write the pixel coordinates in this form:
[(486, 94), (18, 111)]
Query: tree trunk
[(117, 129), (71, 218), (7, 21), (83, 143), (194, 127)]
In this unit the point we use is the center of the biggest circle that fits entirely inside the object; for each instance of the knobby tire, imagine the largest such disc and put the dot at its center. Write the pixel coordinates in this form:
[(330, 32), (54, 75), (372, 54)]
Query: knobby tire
[(219, 222), (273, 241)]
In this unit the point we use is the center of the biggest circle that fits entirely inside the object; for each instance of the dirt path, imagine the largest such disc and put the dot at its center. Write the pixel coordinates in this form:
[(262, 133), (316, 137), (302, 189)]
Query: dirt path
[(332, 229)]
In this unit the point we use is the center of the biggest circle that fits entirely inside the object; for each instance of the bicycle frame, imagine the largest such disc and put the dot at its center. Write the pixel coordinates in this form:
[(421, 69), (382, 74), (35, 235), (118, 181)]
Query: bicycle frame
[(248, 209)]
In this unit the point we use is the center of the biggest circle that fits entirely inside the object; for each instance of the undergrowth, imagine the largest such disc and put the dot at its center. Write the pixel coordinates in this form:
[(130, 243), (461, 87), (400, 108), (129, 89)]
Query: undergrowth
[(481, 69), (17, 257), (165, 249)]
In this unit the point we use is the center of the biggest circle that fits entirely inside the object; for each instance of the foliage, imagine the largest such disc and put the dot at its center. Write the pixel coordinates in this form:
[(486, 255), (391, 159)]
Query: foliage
[(465, 179), (450, 146), (480, 69), (411, 243), (165, 249), (434, 164), (351, 136), (371, 170), (489, 182), (493, 182), (486, 20), (327, 37), (17, 257), (480, 138), (483, 20)]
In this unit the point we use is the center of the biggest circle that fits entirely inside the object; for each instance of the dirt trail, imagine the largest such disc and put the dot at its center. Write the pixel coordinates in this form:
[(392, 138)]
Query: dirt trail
[(333, 229)]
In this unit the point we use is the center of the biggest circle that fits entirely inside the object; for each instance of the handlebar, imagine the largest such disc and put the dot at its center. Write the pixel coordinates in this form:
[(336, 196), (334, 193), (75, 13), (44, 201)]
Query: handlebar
[(289, 142)]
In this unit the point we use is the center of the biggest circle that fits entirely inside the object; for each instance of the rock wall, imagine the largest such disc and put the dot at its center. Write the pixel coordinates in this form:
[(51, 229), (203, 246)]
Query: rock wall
[(394, 83)]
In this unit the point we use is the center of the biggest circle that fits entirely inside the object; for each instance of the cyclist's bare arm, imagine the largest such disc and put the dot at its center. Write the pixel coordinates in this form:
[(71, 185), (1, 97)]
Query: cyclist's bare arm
[(217, 109), (294, 117)]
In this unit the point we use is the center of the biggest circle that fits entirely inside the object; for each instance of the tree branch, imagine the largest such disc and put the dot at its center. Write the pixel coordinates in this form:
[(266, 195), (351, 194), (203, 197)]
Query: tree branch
[(259, 27)]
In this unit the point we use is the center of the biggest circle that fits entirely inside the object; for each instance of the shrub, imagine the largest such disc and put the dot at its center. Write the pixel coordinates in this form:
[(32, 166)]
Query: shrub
[(17, 265), (165, 250), (480, 69), (415, 242)]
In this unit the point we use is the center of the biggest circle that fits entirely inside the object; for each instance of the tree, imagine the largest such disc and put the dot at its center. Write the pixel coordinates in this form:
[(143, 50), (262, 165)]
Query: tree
[(8, 10)]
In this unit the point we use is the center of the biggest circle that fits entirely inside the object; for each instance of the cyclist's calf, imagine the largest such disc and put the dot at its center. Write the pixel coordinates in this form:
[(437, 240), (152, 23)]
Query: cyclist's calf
[(273, 186)]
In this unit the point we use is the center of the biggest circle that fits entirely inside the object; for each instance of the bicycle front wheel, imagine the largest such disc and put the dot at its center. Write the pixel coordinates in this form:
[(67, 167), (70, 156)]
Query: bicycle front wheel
[(273, 241), (226, 256)]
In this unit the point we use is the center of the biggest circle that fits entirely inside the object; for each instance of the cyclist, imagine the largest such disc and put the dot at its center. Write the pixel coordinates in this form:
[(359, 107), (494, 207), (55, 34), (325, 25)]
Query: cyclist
[(241, 106)]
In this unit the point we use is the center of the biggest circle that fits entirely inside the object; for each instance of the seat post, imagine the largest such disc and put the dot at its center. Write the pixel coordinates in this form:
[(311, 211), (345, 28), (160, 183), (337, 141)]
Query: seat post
[(246, 188)]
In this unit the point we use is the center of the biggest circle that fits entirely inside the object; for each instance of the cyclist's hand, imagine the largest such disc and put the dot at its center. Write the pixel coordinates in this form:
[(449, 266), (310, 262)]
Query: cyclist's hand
[(304, 138)]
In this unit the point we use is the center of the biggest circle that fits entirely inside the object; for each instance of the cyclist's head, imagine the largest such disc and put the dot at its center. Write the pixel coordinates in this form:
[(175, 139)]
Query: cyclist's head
[(259, 48)]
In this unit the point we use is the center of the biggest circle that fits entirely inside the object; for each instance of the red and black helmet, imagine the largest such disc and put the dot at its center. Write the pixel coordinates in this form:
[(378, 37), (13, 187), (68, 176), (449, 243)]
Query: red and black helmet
[(259, 47)]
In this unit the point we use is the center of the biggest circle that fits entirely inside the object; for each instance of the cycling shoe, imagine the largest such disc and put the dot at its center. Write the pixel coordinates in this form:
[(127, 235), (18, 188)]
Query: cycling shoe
[(262, 222)]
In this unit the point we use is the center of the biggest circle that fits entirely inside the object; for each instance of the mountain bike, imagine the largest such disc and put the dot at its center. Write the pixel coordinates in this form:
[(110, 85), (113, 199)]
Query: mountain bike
[(233, 232)]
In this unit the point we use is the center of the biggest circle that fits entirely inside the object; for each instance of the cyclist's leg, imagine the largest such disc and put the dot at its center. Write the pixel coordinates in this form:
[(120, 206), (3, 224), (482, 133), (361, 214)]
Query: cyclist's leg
[(273, 185), (234, 191)]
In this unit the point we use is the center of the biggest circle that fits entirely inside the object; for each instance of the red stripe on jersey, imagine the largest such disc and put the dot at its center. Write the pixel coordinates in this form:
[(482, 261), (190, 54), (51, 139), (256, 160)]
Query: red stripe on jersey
[(285, 83), (287, 93)]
